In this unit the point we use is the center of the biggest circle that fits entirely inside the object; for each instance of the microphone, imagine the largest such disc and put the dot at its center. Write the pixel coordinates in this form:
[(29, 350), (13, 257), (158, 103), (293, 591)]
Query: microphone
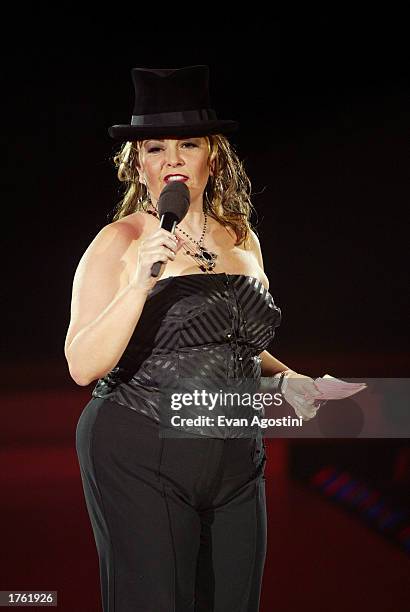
[(173, 204)]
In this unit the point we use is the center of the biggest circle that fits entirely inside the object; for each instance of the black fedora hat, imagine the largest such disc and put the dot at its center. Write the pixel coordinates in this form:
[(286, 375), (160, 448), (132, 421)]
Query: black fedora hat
[(171, 102)]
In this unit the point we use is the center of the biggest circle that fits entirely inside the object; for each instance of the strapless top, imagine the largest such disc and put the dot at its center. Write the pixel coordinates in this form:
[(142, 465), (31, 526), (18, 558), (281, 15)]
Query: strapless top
[(199, 327)]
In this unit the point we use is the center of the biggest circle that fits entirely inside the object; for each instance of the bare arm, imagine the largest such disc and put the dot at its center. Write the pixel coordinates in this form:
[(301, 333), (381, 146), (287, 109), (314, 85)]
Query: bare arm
[(299, 391), (97, 347), (109, 293), (105, 306), (269, 364)]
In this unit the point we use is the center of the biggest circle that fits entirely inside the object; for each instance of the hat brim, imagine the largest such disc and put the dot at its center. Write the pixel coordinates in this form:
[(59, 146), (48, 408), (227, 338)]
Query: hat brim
[(205, 128)]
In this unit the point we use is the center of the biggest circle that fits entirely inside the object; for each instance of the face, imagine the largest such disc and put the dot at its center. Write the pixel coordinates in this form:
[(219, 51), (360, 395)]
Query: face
[(185, 156)]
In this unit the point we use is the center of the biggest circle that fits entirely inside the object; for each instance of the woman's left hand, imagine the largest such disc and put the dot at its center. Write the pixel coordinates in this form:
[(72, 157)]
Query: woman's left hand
[(302, 394)]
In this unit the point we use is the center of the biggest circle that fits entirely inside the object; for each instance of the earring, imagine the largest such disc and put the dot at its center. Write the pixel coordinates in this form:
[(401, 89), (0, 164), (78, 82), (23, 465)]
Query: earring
[(218, 184)]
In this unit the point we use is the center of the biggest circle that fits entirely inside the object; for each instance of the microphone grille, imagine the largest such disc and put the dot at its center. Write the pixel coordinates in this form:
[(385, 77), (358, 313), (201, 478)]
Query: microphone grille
[(174, 198)]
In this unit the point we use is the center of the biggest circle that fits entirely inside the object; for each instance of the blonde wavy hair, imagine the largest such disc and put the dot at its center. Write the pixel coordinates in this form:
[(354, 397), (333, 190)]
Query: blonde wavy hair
[(226, 196)]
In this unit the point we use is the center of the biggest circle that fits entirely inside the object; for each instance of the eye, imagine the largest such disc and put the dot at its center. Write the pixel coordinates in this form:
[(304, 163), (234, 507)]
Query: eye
[(153, 149)]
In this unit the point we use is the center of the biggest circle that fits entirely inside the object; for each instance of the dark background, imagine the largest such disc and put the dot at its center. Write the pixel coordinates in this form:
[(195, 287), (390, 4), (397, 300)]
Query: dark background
[(322, 105)]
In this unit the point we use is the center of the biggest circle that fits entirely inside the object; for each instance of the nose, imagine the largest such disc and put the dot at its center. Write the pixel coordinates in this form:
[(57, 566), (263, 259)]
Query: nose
[(173, 156)]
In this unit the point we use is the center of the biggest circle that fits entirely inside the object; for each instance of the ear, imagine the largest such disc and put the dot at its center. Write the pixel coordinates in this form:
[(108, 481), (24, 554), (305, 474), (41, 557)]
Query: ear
[(141, 177)]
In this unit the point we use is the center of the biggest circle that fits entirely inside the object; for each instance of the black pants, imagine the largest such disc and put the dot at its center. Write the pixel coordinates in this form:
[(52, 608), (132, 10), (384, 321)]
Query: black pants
[(179, 524)]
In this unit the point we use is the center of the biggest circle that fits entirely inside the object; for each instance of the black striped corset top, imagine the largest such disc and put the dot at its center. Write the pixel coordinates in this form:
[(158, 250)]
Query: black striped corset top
[(213, 325)]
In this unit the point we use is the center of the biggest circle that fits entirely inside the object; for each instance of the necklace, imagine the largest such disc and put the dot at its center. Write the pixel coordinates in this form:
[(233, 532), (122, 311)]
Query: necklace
[(206, 259)]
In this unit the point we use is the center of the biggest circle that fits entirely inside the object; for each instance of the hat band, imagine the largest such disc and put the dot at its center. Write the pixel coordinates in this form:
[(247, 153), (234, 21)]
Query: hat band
[(176, 118)]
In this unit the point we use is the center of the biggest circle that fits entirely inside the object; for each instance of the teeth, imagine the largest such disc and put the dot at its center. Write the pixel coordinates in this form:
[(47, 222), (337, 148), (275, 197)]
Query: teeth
[(177, 177)]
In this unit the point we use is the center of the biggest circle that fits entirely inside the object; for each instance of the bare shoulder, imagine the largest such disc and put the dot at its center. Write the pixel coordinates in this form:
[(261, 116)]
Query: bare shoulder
[(248, 255), (127, 231), (134, 225), (254, 247), (116, 242), (104, 269), (253, 240)]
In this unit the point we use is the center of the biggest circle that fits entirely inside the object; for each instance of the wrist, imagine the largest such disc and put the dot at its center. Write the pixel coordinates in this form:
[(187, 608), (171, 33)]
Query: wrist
[(285, 380), (280, 379), (285, 372)]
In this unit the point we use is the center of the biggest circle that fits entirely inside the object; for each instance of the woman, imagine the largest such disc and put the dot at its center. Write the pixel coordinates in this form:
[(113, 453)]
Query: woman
[(180, 519)]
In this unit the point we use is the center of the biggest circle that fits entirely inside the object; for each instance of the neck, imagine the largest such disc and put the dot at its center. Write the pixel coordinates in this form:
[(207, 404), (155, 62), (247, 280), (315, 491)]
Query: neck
[(194, 221), (195, 216)]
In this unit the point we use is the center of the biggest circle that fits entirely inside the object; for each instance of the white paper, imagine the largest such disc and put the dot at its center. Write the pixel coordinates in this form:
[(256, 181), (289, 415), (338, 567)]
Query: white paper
[(334, 388)]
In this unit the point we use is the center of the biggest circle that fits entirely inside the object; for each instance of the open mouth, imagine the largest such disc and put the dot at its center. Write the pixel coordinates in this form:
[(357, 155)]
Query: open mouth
[(175, 177)]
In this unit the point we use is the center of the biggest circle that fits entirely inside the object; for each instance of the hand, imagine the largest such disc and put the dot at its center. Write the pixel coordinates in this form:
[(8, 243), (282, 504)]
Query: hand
[(162, 246), (302, 394)]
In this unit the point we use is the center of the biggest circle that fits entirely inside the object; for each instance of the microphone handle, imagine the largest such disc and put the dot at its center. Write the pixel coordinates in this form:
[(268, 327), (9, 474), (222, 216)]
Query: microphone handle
[(168, 222)]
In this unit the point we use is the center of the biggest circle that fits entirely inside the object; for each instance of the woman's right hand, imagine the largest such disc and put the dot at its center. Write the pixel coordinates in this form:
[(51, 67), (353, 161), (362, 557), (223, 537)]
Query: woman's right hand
[(159, 246), (301, 393)]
